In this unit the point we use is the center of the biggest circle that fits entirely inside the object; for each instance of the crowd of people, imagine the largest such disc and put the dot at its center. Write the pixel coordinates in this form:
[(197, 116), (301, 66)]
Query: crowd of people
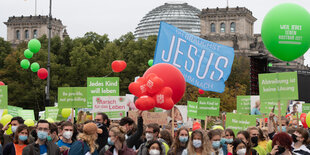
[(125, 137)]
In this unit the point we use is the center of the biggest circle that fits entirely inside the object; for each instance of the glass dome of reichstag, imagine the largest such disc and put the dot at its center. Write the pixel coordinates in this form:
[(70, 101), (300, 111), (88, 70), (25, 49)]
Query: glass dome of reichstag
[(180, 15)]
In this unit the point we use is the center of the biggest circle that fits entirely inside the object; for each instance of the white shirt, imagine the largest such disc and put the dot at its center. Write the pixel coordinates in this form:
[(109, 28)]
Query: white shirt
[(300, 150)]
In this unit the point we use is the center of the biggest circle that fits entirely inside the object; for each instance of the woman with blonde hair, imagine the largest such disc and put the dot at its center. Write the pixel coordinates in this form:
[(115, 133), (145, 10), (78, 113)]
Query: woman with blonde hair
[(180, 142), (199, 144), (86, 143)]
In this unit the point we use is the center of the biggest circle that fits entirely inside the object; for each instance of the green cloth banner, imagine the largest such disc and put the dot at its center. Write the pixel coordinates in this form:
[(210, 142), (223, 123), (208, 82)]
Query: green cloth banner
[(72, 97), (103, 86), (208, 106), (3, 97), (267, 105), (244, 104), (14, 111), (278, 86), (51, 112), (192, 110), (26, 114), (238, 122), (305, 108)]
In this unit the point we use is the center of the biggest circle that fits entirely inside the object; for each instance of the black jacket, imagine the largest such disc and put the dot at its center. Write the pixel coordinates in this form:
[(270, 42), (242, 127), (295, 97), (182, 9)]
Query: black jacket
[(34, 149), (103, 137), (9, 149), (135, 138)]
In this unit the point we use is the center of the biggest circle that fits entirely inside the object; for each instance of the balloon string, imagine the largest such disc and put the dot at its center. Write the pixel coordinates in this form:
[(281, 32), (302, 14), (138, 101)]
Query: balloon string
[(108, 74)]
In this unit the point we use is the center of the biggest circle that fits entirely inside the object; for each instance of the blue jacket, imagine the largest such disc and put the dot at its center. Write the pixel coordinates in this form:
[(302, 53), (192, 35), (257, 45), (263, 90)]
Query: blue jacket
[(80, 148)]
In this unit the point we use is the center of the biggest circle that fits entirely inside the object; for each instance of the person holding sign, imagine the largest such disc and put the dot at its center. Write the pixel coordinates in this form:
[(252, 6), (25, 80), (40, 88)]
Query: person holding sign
[(199, 144), (20, 141)]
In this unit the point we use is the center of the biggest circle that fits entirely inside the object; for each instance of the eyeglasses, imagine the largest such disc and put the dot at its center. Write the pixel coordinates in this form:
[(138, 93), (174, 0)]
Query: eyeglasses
[(148, 132), (43, 129)]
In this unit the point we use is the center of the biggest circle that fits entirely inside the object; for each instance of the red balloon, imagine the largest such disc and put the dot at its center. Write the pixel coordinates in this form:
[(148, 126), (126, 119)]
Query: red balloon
[(145, 103), (154, 84), (118, 65), (42, 73), (266, 120), (163, 99), (196, 126), (201, 91), (172, 78), (303, 120), (2, 83), (138, 88)]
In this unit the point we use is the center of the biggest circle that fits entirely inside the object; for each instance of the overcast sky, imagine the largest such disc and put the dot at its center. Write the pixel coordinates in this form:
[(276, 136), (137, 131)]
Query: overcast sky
[(117, 17)]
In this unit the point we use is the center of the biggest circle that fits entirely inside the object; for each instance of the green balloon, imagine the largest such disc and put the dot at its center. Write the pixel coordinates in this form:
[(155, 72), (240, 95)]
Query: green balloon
[(286, 31), (35, 67), (25, 63), (28, 54), (150, 62), (34, 45)]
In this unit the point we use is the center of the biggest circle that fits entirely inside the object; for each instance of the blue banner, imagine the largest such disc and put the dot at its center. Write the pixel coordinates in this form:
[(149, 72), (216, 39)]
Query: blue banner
[(204, 64)]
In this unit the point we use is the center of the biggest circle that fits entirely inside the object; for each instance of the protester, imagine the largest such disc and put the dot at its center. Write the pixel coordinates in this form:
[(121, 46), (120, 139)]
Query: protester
[(86, 143), (254, 133), (237, 147), (153, 148), (180, 142), (15, 122), (103, 123), (166, 139), (151, 133), (199, 144), (133, 139), (217, 147), (117, 142), (42, 145), (65, 142), (20, 141), (53, 136), (229, 136), (300, 139), (281, 144), (245, 137)]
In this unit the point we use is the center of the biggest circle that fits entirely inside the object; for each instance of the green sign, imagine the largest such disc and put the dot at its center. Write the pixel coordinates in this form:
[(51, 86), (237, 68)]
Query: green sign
[(278, 85), (51, 112), (238, 122), (267, 105), (158, 110), (3, 97), (208, 106), (192, 110), (72, 97), (104, 86), (26, 114), (14, 111), (305, 108), (244, 104)]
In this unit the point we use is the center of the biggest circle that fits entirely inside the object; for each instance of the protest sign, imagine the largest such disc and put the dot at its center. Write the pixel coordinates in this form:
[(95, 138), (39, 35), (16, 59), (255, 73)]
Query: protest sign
[(305, 107), (26, 114), (180, 113), (255, 105), (3, 97), (114, 106), (278, 85), (13, 110), (204, 64), (238, 122), (267, 105), (192, 110), (208, 106), (103, 86), (72, 97), (150, 117), (295, 106), (51, 112), (244, 104)]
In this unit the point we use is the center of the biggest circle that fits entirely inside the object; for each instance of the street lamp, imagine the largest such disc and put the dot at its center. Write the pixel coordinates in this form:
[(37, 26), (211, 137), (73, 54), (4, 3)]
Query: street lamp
[(48, 56)]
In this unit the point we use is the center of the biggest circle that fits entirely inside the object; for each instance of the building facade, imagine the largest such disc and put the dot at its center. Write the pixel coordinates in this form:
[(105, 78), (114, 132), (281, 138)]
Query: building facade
[(25, 28)]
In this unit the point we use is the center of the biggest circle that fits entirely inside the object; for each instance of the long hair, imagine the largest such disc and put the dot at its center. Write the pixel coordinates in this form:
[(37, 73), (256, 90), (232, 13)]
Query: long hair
[(150, 143), (90, 140), (247, 137), (19, 129), (118, 132), (206, 144), (166, 135), (176, 143)]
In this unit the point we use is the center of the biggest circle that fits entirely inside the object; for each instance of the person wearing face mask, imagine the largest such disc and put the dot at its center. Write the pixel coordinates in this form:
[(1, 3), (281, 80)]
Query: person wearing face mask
[(53, 136), (166, 139), (244, 136), (151, 133), (228, 137), (117, 143), (42, 146), (199, 144), (301, 139), (20, 141), (217, 147), (237, 147), (180, 142), (103, 122), (15, 122), (254, 133), (154, 148), (281, 144), (66, 139)]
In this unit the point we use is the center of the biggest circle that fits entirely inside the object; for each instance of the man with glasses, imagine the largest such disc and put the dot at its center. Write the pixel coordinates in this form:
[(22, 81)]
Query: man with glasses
[(42, 146)]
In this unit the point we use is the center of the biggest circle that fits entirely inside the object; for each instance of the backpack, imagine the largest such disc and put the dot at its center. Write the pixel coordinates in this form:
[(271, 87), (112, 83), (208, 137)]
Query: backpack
[(67, 151)]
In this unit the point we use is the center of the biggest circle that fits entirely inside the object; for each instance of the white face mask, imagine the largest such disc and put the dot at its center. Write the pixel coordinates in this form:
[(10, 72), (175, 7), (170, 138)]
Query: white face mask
[(67, 134), (149, 136), (14, 128), (241, 151), (154, 152), (197, 143)]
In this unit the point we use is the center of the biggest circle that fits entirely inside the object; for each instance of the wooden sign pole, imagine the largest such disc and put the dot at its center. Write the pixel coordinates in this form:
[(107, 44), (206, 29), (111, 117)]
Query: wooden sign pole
[(172, 123), (279, 116)]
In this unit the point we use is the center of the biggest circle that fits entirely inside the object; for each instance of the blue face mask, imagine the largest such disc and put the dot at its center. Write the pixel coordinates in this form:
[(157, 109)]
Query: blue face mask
[(110, 142), (22, 137), (183, 139), (42, 135), (223, 140), (216, 144), (283, 128), (229, 141)]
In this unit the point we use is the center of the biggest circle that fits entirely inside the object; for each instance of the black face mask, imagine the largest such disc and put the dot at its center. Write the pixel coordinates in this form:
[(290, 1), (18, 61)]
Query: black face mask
[(254, 141), (280, 150), (294, 137)]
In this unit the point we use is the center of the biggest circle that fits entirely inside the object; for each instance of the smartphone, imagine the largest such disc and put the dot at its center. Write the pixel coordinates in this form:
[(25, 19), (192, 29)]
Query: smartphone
[(273, 108)]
